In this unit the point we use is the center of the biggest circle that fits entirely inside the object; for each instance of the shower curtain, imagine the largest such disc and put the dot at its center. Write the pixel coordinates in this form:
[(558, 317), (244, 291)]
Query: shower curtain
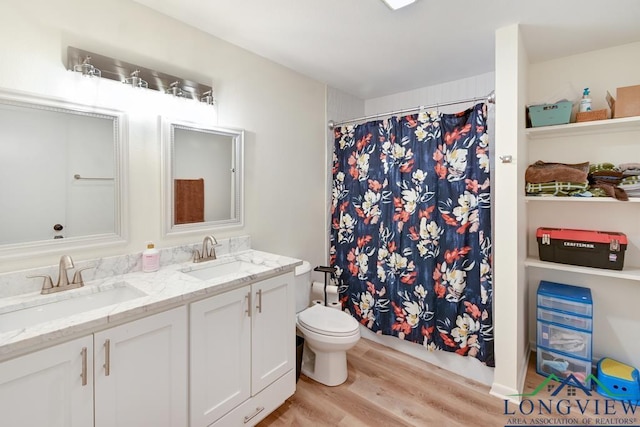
[(411, 229)]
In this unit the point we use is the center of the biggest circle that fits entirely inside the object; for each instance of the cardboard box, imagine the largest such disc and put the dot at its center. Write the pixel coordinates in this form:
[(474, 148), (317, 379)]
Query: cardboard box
[(588, 116), (627, 102)]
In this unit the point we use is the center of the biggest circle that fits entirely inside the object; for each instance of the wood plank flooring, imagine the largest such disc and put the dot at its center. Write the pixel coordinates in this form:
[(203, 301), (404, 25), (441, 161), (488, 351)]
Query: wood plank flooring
[(389, 388)]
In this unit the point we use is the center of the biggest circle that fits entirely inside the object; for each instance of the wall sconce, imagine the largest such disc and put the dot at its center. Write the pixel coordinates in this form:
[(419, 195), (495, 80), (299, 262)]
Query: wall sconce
[(128, 73), (207, 98), (86, 68), (135, 81), (175, 90)]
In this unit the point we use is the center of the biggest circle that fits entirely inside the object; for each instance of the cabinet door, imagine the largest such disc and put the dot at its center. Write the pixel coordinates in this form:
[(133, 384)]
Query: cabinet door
[(141, 372), (220, 358), (51, 387), (273, 331)]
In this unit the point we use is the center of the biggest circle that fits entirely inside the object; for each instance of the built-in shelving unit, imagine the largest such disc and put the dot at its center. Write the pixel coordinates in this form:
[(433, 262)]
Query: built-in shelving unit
[(582, 128), (628, 273), (560, 199), (615, 292), (599, 127)]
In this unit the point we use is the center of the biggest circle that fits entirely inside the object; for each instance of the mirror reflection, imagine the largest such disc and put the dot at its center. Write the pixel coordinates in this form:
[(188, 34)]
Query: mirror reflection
[(203, 176), (59, 178)]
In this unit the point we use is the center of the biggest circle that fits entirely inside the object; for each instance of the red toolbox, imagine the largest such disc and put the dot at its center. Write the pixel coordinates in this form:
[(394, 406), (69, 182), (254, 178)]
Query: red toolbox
[(589, 248)]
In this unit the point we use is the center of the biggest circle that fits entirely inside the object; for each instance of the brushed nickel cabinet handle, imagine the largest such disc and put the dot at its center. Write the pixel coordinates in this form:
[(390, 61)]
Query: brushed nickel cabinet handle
[(259, 306), (107, 357), (83, 374), (248, 310), (255, 413)]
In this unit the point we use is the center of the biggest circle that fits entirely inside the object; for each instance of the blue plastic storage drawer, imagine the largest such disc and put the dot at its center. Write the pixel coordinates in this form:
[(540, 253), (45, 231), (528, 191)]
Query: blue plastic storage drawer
[(569, 299), (550, 114), (578, 322), (552, 363), (564, 340)]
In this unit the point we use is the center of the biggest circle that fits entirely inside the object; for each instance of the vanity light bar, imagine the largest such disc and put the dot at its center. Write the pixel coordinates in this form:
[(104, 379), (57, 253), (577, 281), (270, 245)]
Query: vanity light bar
[(137, 76)]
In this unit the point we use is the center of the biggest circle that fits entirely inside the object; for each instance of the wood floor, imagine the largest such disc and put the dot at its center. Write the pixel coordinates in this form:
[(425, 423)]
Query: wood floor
[(389, 388)]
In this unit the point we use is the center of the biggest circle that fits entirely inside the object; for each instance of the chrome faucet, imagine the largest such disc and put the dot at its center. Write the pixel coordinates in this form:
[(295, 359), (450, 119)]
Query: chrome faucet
[(63, 283), (208, 250)]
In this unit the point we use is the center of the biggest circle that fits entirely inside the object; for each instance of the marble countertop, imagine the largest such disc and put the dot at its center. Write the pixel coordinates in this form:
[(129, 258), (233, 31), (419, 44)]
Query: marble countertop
[(164, 289)]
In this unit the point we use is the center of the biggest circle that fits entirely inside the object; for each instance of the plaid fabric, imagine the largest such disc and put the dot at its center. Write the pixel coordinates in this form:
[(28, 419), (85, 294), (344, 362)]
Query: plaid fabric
[(596, 192), (598, 167), (556, 188), (630, 180), (631, 185)]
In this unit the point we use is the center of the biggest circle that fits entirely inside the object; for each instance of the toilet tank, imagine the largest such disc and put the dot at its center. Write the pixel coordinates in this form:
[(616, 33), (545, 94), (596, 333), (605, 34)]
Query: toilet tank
[(302, 284)]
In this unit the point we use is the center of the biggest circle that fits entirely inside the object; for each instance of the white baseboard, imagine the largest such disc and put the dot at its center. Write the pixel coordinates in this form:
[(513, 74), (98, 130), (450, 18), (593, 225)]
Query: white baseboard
[(505, 393), (509, 393)]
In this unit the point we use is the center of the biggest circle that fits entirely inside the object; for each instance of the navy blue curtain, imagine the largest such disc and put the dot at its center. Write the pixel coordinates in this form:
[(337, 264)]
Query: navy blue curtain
[(411, 229)]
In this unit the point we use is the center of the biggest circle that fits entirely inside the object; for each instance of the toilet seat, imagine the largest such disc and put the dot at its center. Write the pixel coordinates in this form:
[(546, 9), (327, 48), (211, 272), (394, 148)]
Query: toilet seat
[(328, 321)]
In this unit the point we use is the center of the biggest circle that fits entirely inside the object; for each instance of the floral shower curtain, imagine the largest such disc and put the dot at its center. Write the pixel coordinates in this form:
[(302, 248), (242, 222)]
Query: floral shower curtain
[(411, 229)]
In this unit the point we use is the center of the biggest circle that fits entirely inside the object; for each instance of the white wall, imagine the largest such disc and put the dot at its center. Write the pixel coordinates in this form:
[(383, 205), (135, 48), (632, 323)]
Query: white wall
[(282, 112), (471, 87)]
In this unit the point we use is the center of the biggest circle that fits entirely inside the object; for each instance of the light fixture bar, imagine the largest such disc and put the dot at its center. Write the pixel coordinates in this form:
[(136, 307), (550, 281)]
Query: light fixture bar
[(397, 4), (137, 76)]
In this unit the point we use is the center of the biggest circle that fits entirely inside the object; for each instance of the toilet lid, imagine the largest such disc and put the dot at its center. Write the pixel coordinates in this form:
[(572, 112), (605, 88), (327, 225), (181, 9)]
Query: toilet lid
[(327, 321)]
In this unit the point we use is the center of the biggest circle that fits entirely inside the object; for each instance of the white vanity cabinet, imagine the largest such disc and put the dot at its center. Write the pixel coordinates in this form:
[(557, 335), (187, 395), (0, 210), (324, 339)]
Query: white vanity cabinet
[(141, 372), (52, 387), (140, 378), (242, 353)]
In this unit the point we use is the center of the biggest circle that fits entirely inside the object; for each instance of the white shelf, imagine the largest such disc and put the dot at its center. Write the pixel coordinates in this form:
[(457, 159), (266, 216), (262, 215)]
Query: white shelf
[(628, 273), (570, 199), (582, 128)]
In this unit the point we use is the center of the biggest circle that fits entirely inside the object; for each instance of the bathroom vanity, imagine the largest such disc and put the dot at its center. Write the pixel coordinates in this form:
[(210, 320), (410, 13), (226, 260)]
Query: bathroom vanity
[(210, 344), (242, 353)]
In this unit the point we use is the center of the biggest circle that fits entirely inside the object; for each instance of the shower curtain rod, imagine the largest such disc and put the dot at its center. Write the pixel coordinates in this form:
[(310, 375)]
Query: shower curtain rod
[(490, 98)]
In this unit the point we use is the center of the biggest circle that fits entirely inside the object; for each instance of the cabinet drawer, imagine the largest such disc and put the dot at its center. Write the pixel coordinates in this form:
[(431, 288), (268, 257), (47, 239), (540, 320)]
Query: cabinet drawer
[(552, 363), (259, 406), (565, 305), (584, 323), (564, 340)]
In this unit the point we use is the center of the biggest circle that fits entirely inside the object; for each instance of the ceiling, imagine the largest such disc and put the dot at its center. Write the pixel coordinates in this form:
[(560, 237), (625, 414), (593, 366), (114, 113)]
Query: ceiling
[(363, 48)]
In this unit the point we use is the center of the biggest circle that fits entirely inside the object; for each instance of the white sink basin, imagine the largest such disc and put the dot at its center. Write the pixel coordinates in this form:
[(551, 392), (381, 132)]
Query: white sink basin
[(214, 270), (45, 308)]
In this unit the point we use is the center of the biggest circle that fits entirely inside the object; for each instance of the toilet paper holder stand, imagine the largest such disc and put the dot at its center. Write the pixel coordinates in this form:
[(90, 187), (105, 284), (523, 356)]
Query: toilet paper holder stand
[(327, 272)]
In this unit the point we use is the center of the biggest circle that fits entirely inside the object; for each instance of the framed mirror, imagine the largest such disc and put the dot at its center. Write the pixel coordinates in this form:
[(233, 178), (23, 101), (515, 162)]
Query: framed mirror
[(62, 175), (202, 177)]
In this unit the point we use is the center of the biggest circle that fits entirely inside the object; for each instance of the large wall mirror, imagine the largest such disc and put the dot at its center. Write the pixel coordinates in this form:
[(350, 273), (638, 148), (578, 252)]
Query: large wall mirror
[(61, 175), (202, 177)]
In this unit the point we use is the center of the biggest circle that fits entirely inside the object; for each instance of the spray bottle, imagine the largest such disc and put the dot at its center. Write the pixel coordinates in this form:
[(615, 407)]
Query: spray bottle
[(585, 102)]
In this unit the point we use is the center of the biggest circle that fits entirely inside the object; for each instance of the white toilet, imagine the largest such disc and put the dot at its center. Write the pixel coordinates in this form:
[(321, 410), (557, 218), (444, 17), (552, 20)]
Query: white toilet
[(328, 334)]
